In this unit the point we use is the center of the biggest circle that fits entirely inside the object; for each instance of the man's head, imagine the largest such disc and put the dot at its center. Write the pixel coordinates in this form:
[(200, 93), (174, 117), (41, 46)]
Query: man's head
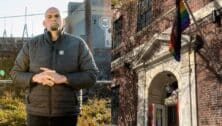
[(52, 20)]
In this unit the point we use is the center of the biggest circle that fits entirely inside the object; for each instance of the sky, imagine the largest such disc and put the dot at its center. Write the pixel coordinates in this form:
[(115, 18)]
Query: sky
[(15, 26)]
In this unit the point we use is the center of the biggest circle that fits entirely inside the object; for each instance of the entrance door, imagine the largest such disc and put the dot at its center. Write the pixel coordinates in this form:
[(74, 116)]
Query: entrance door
[(159, 116), (172, 116)]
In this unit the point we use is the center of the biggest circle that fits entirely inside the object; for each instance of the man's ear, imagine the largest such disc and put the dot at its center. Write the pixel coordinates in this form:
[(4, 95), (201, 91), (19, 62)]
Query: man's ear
[(43, 23), (62, 23)]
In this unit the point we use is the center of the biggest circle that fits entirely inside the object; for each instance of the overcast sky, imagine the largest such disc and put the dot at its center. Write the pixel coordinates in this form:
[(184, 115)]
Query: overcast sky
[(15, 25)]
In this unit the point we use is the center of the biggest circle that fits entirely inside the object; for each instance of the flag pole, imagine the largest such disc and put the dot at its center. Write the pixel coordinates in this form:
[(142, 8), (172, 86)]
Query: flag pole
[(212, 58), (195, 21)]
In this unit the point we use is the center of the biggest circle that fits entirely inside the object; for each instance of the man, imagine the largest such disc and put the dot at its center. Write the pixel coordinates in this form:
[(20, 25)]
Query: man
[(54, 66)]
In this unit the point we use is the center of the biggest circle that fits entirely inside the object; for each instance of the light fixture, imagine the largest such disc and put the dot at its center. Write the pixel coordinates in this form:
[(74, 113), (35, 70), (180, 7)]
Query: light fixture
[(216, 16), (198, 42), (168, 89)]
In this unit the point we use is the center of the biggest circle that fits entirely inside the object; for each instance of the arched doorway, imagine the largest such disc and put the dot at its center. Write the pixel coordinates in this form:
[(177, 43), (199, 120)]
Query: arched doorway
[(163, 100)]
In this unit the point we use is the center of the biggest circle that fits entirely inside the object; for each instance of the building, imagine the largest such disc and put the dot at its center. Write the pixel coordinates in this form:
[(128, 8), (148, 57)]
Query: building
[(100, 31), (9, 47), (150, 87)]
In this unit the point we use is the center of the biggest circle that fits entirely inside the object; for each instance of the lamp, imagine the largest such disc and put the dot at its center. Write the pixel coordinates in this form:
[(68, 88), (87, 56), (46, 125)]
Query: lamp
[(198, 42), (169, 89), (216, 17)]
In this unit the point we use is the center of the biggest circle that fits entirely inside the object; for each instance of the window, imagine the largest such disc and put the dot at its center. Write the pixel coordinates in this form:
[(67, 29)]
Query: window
[(115, 104), (144, 14), (117, 33)]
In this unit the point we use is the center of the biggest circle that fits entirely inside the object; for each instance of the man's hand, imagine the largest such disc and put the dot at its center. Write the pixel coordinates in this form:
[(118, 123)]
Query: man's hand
[(56, 77), (43, 78), (49, 77)]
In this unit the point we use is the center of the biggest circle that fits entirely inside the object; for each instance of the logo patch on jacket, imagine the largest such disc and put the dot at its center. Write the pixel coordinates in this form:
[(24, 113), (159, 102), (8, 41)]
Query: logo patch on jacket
[(61, 52)]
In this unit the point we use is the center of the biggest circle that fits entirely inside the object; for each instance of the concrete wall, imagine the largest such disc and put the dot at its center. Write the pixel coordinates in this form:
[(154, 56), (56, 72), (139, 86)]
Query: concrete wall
[(101, 50), (77, 18)]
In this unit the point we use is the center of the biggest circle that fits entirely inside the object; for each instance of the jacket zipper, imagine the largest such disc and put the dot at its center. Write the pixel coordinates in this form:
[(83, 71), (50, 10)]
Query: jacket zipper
[(53, 68)]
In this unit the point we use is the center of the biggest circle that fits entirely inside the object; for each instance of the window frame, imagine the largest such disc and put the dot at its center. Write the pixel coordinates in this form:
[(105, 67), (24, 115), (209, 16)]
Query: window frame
[(117, 32), (144, 16)]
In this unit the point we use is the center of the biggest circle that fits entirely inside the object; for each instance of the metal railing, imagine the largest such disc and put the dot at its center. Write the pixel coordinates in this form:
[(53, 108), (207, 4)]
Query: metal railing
[(97, 82), (5, 82)]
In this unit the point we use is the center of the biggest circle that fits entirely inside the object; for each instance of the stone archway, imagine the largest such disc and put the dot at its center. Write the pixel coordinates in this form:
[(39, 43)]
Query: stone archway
[(162, 99), (185, 77), (156, 61)]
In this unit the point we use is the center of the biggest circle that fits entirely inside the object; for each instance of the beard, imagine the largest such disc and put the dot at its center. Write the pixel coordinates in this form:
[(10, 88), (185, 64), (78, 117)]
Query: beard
[(54, 27)]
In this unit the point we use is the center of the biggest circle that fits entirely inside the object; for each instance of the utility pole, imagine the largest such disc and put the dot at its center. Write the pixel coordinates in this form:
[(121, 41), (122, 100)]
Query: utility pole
[(88, 40), (4, 33), (25, 30), (88, 29)]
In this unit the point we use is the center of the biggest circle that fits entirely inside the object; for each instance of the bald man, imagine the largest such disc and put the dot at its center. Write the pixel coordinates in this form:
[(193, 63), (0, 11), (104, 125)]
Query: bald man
[(53, 66)]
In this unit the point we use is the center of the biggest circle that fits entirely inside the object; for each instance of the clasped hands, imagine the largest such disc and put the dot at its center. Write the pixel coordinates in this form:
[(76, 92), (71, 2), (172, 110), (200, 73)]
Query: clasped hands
[(49, 77)]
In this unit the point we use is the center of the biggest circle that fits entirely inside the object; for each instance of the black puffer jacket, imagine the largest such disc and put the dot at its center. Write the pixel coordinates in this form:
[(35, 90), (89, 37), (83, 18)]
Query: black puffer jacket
[(69, 56)]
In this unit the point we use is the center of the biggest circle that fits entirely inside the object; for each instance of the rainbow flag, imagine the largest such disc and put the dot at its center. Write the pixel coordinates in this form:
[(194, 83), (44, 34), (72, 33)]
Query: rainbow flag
[(181, 22)]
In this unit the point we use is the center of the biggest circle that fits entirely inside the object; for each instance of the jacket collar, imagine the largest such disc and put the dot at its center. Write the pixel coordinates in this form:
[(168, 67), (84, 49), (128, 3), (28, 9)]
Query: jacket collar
[(47, 36)]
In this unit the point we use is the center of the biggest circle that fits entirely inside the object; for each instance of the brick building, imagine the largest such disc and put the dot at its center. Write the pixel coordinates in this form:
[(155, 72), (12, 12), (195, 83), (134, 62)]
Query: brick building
[(149, 86)]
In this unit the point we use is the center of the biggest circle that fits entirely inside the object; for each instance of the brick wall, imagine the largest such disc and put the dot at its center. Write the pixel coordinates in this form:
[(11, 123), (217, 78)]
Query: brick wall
[(128, 11), (209, 85), (126, 79), (209, 88), (124, 76)]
